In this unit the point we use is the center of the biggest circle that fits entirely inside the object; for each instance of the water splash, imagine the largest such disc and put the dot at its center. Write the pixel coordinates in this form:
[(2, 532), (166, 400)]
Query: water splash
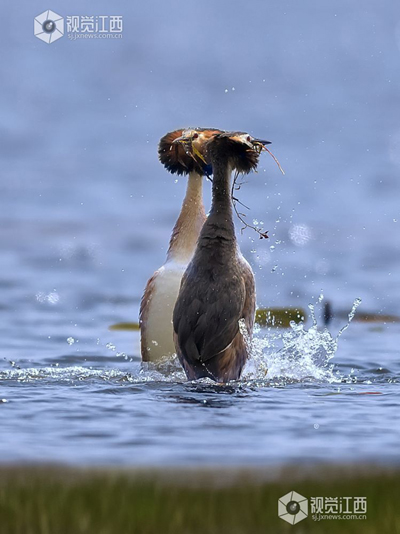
[(296, 355), (168, 371), (278, 358), (61, 374), (351, 315)]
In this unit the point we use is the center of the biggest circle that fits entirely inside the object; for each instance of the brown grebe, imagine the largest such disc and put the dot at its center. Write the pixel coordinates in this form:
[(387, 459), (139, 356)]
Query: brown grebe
[(214, 312), (162, 289)]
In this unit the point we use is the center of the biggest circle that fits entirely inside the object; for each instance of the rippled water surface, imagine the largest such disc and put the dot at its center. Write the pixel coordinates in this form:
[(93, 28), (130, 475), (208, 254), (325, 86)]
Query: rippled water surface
[(86, 213), (99, 408)]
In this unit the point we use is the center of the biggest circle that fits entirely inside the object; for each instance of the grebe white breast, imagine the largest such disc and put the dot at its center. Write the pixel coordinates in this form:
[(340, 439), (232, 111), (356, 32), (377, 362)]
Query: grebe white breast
[(162, 289)]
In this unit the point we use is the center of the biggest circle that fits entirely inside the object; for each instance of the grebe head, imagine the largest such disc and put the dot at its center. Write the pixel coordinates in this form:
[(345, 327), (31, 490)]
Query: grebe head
[(239, 148), (182, 151)]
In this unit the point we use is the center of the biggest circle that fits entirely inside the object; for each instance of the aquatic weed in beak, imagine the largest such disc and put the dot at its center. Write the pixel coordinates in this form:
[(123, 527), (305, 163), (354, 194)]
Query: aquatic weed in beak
[(188, 146), (261, 145)]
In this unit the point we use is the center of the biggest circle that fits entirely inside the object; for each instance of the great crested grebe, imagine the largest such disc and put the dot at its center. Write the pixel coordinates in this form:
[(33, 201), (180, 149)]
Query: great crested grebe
[(218, 289), (162, 289)]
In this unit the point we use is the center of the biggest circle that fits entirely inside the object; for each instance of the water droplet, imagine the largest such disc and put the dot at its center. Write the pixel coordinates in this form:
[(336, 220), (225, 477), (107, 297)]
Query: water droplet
[(70, 340), (53, 298), (300, 234), (352, 313), (311, 307), (296, 327)]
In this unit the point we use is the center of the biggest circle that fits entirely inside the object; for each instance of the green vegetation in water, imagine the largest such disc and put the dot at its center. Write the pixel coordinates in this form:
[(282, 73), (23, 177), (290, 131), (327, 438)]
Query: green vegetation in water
[(125, 326), (264, 317), (71, 501), (280, 317)]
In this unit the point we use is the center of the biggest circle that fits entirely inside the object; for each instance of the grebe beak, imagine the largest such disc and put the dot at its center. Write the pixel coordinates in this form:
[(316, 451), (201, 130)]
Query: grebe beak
[(261, 142), (182, 139), (186, 143), (189, 148)]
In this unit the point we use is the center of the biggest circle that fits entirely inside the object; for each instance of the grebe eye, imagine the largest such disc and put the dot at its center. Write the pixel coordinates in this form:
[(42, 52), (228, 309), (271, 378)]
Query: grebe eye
[(248, 138), (195, 136)]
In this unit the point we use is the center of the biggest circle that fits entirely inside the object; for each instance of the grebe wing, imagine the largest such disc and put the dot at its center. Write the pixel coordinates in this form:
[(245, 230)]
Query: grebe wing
[(249, 308), (143, 314), (206, 321)]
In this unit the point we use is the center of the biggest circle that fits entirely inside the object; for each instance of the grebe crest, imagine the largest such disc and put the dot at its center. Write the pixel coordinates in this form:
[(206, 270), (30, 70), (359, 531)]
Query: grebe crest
[(239, 148)]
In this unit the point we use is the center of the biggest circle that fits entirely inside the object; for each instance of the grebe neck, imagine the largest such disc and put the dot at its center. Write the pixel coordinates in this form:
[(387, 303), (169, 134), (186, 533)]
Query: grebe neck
[(190, 222)]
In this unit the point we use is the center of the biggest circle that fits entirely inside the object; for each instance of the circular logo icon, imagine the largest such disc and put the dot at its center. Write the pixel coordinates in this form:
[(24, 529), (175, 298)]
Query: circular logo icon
[(49, 26), (293, 507)]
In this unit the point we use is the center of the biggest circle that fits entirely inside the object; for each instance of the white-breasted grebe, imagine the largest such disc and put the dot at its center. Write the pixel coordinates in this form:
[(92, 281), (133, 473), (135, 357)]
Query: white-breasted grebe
[(162, 289)]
